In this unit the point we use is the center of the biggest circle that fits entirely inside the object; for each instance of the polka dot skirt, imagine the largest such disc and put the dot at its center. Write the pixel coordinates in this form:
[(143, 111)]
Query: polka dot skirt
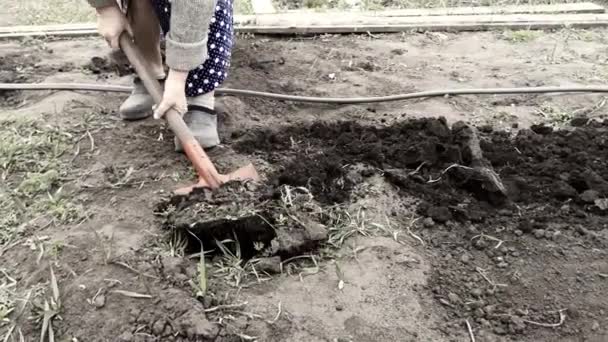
[(214, 70)]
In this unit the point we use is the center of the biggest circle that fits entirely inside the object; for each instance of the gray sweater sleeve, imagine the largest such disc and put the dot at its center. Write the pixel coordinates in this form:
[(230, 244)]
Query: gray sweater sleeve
[(187, 41), (101, 3)]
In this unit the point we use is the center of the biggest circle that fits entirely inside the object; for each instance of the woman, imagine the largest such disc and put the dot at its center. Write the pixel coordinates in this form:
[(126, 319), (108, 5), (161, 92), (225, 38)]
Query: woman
[(198, 36)]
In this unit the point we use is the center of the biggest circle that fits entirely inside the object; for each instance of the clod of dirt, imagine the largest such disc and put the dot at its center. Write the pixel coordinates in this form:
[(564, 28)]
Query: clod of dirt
[(542, 129), (102, 65), (264, 220), (271, 265), (589, 196), (196, 326), (440, 214)]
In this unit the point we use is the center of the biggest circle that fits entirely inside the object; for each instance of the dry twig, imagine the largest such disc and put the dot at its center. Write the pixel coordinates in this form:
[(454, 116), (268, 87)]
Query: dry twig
[(132, 294), (225, 307), (471, 335), (562, 319)]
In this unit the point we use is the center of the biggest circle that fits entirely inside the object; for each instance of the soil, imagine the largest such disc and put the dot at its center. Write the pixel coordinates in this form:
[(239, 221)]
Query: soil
[(425, 251)]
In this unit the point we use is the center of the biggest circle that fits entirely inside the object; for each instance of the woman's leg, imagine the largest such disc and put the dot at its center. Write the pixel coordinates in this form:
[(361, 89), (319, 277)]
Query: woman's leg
[(146, 31)]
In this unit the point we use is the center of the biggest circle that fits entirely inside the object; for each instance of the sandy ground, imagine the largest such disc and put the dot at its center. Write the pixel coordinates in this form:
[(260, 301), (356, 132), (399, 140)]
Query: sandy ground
[(379, 284)]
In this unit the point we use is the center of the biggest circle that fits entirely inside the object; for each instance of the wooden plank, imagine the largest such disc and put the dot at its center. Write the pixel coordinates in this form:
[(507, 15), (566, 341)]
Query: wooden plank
[(283, 24), (262, 6), (345, 20), (570, 8)]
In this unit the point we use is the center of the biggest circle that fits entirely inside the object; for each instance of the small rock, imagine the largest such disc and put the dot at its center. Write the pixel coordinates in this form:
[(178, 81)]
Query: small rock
[(563, 190), (539, 233), (126, 336), (486, 129), (548, 234), (503, 265), (517, 324), (343, 339), (476, 292), (595, 326), (173, 265), (500, 330), (489, 310), (541, 129), (590, 196), (525, 226), (195, 325), (99, 301), (440, 214), (443, 301), (579, 121), (581, 230), (480, 244), (428, 222), (270, 265), (465, 258), (454, 299), (159, 327), (518, 232), (168, 330), (339, 307), (485, 322), (477, 304)]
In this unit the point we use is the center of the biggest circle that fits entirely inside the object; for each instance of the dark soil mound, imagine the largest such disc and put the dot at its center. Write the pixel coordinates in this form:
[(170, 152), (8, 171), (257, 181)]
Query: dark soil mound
[(487, 267), (417, 155)]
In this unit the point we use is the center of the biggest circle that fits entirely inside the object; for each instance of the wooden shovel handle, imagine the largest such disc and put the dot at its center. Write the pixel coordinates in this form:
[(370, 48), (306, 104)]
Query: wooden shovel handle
[(201, 162)]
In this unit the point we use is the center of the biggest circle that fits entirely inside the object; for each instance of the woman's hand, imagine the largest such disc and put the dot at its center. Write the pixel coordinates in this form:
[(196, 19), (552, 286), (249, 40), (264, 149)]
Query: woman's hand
[(174, 96), (111, 23)]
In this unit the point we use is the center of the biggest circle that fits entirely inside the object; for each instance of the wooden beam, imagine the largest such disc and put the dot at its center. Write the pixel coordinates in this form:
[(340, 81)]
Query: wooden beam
[(571, 8), (358, 20), (289, 24)]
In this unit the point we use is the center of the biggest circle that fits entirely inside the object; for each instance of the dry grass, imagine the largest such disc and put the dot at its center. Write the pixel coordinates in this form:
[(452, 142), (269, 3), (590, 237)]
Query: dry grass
[(32, 172)]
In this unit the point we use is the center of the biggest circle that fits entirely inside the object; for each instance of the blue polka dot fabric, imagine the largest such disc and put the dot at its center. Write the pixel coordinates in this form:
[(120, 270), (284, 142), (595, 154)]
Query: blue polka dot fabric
[(208, 76)]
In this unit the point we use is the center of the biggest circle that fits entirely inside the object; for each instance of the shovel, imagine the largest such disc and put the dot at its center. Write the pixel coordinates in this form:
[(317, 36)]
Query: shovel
[(208, 176)]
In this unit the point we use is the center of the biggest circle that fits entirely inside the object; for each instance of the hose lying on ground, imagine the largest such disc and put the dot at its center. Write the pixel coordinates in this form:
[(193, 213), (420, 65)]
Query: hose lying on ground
[(330, 100)]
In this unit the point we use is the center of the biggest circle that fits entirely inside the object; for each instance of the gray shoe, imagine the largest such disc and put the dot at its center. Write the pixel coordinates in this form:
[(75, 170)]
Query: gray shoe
[(203, 125), (139, 104)]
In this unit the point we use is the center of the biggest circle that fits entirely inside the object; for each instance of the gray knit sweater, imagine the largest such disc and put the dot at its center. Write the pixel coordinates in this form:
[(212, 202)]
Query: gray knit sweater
[(187, 40)]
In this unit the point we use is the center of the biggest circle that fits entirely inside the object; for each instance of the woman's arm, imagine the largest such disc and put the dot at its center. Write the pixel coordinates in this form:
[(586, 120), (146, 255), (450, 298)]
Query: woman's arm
[(187, 39)]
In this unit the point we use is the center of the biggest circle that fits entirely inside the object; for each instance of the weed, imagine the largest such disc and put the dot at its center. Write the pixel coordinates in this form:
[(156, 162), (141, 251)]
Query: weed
[(201, 270), (231, 266), (32, 171), (48, 310), (342, 225), (556, 116), (176, 246), (521, 36), (7, 298)]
